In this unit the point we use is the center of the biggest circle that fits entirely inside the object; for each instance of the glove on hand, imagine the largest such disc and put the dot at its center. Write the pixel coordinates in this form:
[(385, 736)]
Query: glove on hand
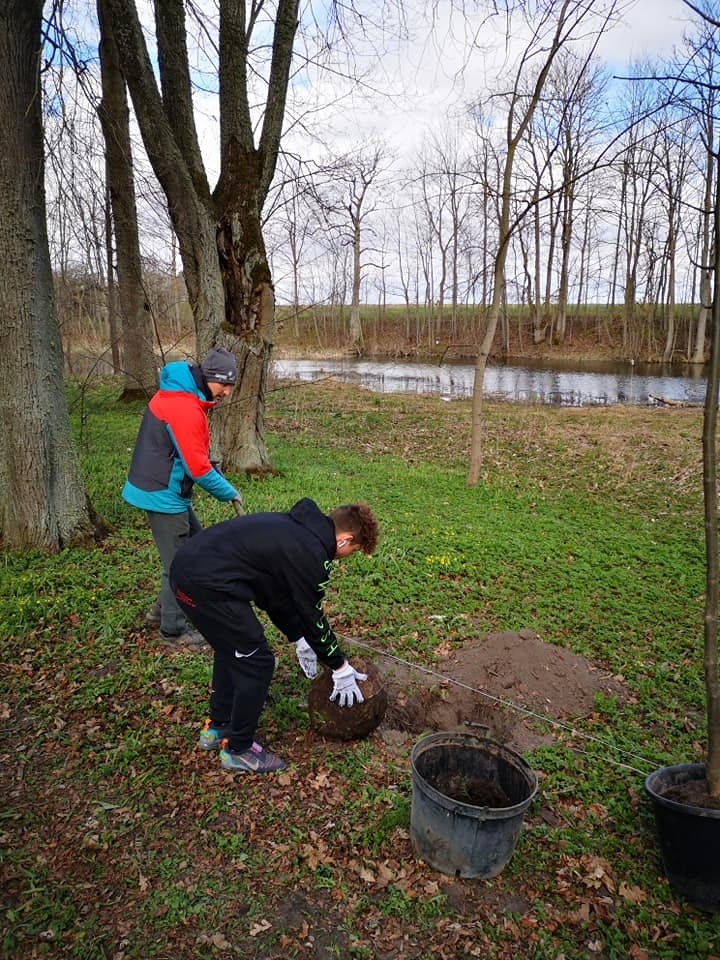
[(345, 688), (237, 502), (307, 658)]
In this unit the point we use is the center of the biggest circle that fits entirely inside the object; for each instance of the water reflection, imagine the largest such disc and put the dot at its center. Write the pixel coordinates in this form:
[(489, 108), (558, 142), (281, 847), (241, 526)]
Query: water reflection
[(594, 385)]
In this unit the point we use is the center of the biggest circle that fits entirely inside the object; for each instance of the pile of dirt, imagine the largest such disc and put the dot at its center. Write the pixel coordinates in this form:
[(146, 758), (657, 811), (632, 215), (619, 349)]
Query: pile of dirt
[(510, 686)]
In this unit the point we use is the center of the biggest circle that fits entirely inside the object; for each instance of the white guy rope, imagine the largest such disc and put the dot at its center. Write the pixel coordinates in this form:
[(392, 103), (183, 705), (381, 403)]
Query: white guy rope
[(573, 731)]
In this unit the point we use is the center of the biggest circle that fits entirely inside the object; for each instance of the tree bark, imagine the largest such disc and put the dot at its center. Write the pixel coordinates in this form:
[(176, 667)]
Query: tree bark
[(42, 500), (138, 359), (710, 500), (220, 233)]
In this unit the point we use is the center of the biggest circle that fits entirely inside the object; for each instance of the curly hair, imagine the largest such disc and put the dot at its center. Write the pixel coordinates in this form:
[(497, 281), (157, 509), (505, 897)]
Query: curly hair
[(359, 520)]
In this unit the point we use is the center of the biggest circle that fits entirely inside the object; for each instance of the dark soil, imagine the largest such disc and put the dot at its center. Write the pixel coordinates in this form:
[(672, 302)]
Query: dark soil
[(510, 686), (340, 723), (693, 794), (471, 790)]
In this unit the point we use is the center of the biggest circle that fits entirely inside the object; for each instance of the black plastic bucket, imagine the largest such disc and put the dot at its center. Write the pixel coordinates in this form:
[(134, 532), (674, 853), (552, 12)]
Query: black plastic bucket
[(469, 797), (689, 838)]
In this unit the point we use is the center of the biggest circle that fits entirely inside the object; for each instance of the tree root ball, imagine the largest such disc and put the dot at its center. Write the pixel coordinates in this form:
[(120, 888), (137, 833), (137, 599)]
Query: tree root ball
[(347, 723)]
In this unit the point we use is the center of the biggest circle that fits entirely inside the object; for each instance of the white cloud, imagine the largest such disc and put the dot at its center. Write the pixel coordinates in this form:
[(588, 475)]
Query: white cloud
[(427, 79), (649, 29)]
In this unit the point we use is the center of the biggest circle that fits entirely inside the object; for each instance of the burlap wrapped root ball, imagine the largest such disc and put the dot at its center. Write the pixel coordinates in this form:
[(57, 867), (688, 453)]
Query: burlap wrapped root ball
[(347, 723)]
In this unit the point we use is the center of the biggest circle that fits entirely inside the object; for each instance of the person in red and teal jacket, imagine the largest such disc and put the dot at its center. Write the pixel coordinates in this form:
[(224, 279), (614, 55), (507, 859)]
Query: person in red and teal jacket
[(170, 456)]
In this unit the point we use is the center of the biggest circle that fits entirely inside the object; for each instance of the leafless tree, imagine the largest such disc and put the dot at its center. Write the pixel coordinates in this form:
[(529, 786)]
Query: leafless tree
[(138, 358), (556, 25), (219, 230), (76, 210), (544, 232), (446, 190), (485, 163), (291, 225), (635, 210), (576, 94), (343, 191), (42, 500), (699, 94), (673, 173)]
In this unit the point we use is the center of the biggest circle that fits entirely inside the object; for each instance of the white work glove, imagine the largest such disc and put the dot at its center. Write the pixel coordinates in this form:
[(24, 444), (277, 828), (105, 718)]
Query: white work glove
[(237, 502), (307, 658), (345, 688)]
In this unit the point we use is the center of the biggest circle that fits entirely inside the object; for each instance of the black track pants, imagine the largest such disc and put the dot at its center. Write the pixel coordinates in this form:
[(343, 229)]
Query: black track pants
[(243, 664)]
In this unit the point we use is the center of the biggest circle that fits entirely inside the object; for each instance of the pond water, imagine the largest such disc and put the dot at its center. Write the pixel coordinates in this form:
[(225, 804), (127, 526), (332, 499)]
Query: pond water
[(583, 384)]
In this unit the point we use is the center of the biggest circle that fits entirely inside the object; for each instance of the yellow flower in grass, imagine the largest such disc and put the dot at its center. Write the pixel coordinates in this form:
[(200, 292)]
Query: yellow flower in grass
[(441, 561)]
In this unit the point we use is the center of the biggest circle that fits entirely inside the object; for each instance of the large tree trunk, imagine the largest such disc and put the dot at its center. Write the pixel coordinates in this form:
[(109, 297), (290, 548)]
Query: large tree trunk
[(219, 236), (250, 326), (139, 364), (42, 500)]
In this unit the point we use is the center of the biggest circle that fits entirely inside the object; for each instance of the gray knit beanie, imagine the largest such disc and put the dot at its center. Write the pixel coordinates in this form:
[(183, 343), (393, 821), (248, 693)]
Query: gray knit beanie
[(219, 366)]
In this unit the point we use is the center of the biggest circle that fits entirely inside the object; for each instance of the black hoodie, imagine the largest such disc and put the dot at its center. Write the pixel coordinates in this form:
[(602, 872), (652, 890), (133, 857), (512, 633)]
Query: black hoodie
[(279, 561)]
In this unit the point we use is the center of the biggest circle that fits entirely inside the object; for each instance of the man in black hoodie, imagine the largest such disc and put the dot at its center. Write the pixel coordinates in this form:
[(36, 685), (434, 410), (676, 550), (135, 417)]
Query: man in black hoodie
[(279, 562)]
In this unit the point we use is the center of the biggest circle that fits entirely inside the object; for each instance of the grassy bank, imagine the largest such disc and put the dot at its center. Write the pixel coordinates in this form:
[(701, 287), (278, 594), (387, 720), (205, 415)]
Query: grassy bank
[(593, 332), (119, 840)]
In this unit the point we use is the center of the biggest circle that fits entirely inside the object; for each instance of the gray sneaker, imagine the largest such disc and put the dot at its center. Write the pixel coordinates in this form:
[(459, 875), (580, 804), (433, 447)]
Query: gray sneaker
[(211, 737), (190, 637), (253, 760), (153, 614)]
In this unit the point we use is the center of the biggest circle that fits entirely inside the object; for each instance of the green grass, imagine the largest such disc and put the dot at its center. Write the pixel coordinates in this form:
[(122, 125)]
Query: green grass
[(119, 839)]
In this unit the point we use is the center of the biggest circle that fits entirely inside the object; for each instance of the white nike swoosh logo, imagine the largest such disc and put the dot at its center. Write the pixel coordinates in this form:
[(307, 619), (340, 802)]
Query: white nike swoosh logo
[(241, 655)]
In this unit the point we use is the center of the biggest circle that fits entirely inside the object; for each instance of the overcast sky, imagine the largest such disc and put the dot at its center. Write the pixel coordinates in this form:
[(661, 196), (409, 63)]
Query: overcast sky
[(649, 29), (424, 81)]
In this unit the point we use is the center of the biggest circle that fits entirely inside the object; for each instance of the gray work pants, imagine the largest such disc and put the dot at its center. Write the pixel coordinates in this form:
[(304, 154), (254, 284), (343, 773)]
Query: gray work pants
[(170, 531)]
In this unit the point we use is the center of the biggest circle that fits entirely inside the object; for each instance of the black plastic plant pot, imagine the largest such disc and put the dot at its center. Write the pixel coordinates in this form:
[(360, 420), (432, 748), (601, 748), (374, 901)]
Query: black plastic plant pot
[(469, 798), (689, 838)]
